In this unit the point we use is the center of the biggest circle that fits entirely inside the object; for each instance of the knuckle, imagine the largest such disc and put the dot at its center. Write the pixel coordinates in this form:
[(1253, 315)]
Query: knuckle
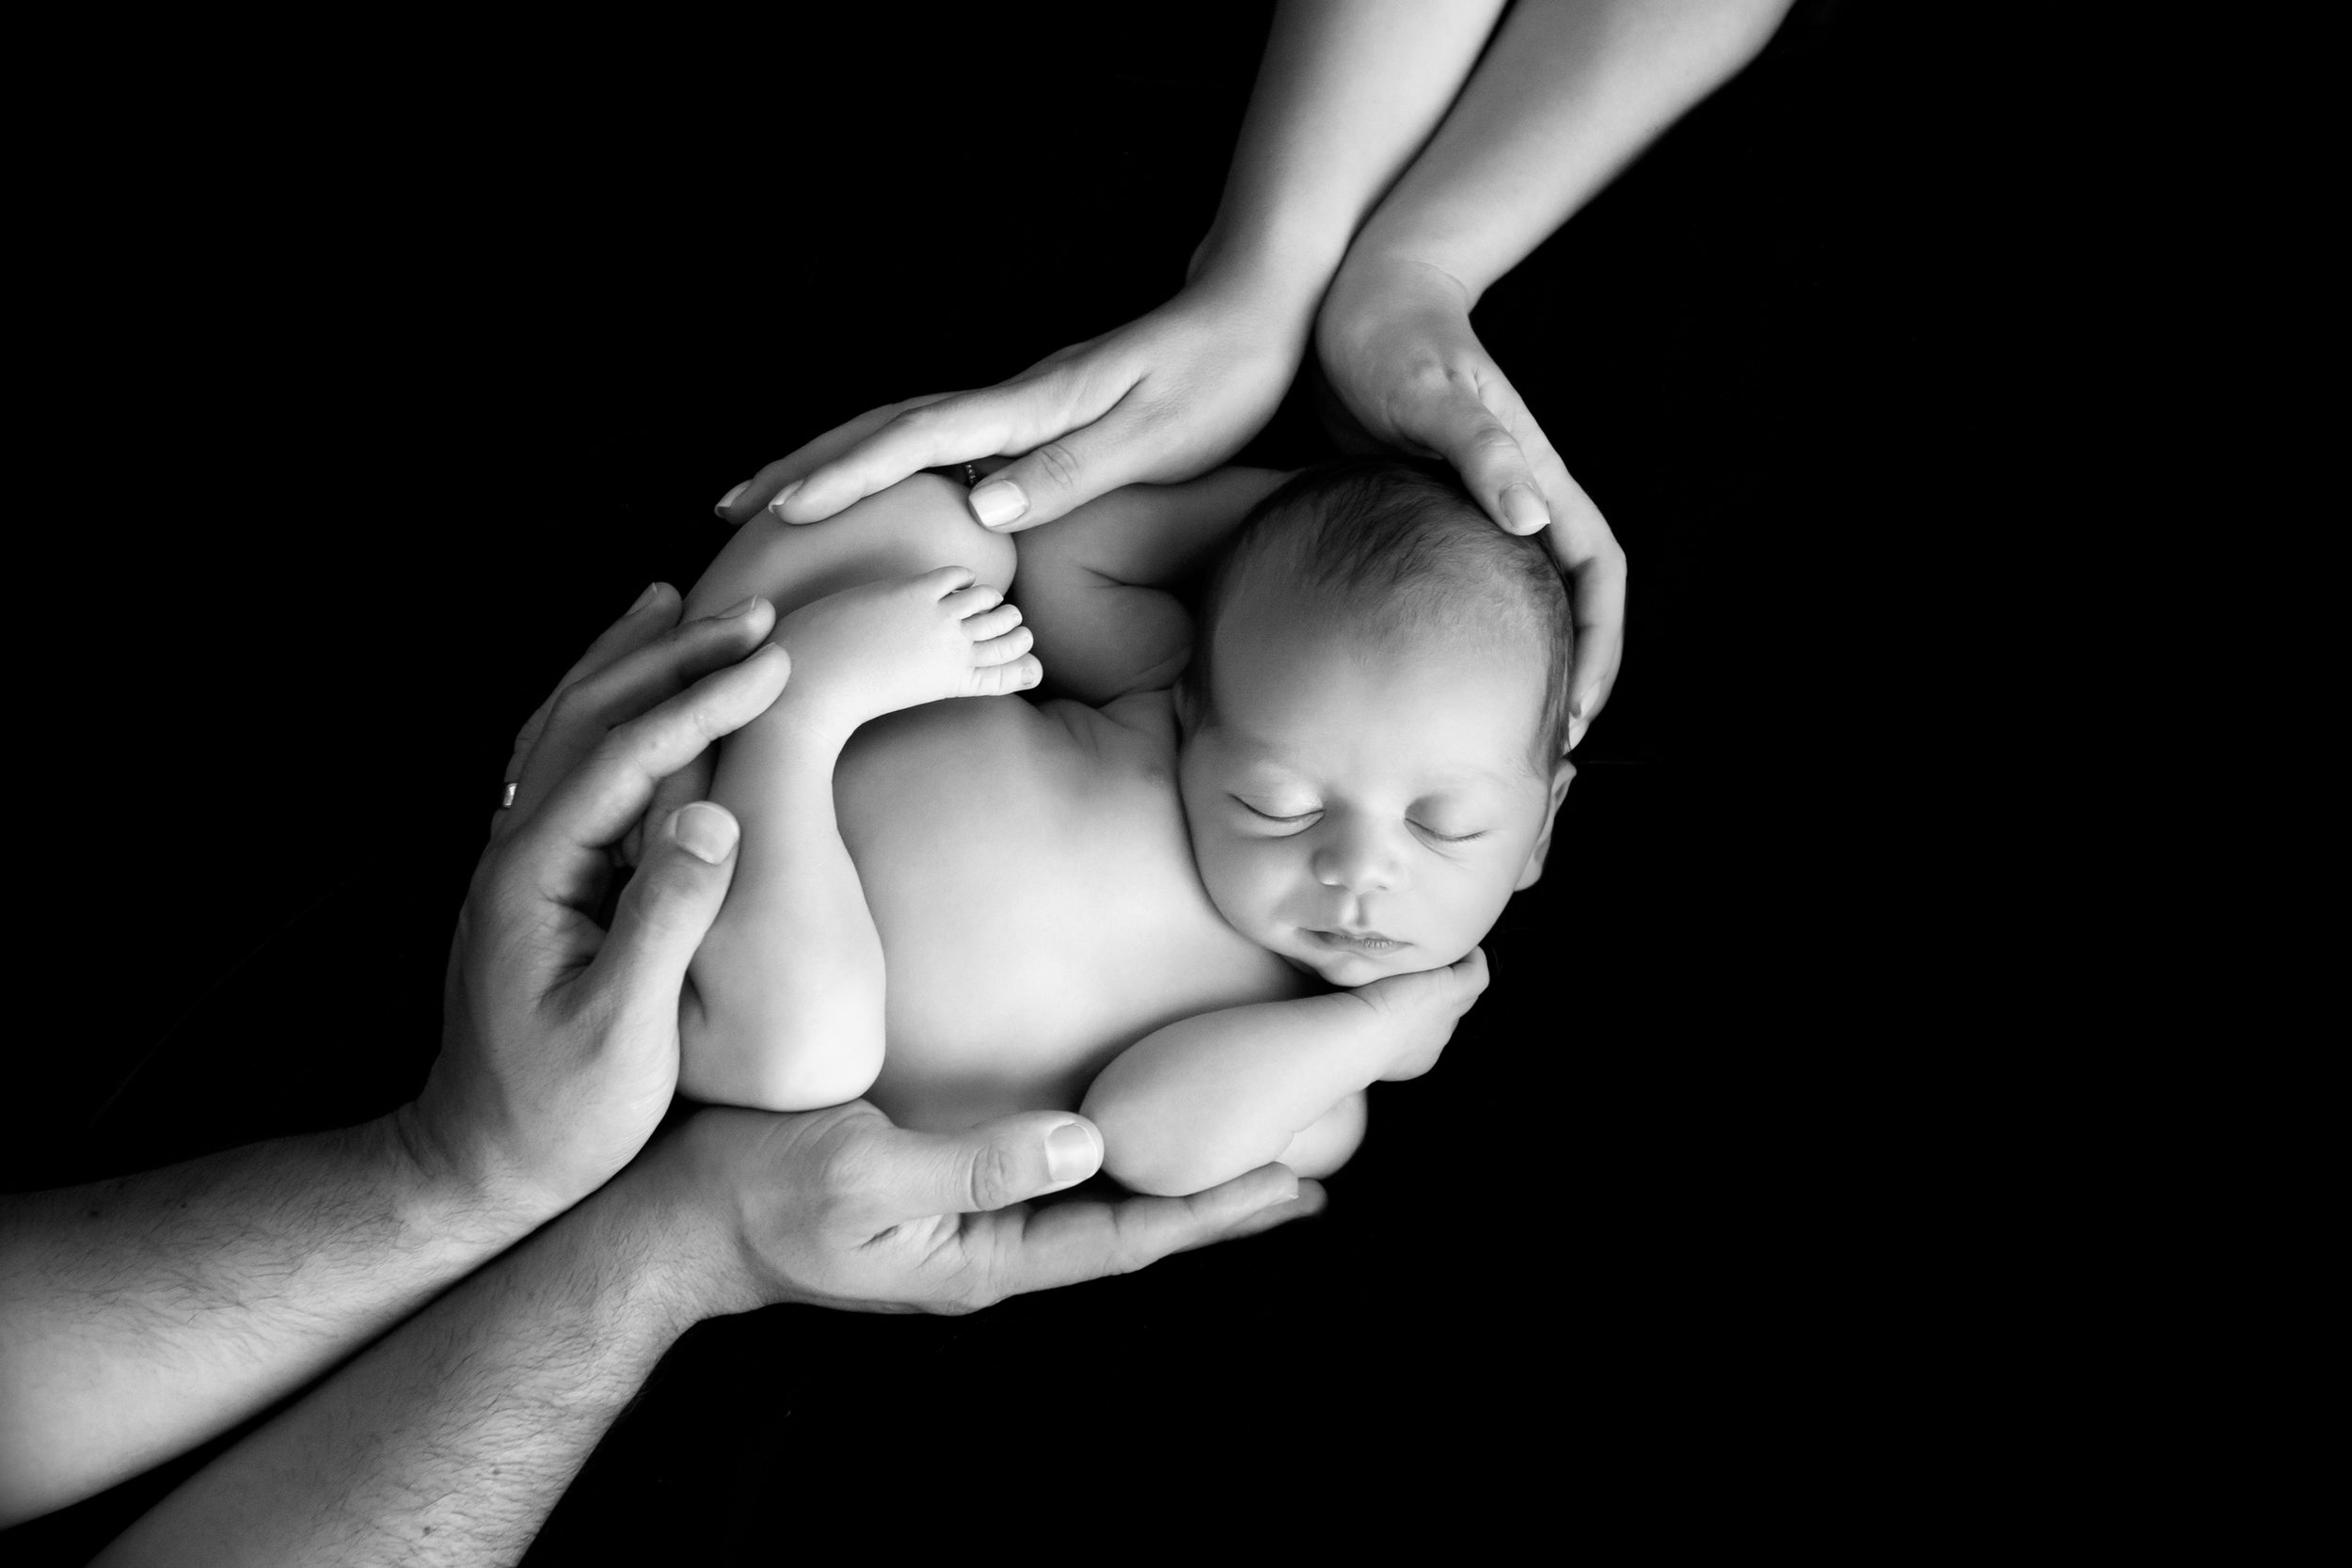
[(990, 1179), (1057, 465)]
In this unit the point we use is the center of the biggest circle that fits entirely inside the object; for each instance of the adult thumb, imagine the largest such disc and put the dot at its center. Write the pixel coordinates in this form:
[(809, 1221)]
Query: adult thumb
[(681, 880), (1062, 475), (998, 1162)]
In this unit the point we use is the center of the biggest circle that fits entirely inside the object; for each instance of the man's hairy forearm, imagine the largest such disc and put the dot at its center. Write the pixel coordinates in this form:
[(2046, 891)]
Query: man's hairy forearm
[(450, 1440), (1569, 93), (142, 1315)]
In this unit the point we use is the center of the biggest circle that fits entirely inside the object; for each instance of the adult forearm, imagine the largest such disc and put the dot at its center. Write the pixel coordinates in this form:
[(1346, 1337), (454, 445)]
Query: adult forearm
[(142, 1315), (1347, 92), (450, 1440), (1570, 91)]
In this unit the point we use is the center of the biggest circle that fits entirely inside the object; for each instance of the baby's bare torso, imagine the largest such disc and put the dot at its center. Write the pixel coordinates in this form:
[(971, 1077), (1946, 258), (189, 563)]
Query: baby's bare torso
[(1030, 877)]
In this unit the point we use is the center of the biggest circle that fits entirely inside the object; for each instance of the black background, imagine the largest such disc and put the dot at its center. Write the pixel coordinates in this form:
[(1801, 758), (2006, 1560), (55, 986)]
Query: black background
[(363, 392)]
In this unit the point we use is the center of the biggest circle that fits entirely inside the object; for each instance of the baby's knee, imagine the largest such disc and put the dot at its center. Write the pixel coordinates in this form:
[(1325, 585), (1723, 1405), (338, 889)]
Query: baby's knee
[(927, 523)]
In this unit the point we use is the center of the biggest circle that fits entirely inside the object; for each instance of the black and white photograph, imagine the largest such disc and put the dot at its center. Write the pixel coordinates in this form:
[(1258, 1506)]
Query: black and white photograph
[(1041, 780)]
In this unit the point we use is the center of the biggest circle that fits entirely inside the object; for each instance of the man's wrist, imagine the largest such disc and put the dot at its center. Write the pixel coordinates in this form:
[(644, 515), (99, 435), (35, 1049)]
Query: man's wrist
[(465, 1195)]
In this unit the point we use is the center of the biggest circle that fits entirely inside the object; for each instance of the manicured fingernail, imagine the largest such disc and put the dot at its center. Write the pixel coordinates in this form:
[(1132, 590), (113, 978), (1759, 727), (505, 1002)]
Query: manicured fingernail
[(728, 499), (1525, 509), (999, 503), (705, 831), (1070, 1151), (784, 495), (744, 608), (653, 591)]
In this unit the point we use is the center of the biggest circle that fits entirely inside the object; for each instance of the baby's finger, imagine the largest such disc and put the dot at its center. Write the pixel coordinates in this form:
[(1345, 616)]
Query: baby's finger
[(558, 854), (587, 710), (996, 420), (655, 612), (1495, 471)]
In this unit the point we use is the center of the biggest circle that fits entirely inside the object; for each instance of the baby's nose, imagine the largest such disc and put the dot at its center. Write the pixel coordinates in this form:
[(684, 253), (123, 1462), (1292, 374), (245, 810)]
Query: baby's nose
[(1353, 857)]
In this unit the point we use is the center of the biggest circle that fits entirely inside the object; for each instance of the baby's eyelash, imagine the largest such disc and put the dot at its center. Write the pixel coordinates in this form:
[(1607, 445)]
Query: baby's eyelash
[(1269, 817), (1452, 838)]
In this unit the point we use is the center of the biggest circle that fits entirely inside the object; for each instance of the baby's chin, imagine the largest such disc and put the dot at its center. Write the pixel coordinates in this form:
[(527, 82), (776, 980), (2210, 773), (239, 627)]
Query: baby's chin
[(1350, 970)]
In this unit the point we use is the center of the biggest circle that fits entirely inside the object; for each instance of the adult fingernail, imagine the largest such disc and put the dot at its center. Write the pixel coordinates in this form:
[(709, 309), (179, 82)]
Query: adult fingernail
[(705, 831), (731, 613), (999, 502), (728, 499), (653, 591), (1070, 1151), (784, 495), (1525, 509)]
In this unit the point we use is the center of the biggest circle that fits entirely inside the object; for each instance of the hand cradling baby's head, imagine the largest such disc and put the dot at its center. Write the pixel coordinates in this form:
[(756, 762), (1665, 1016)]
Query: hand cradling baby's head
[(1374, 722)]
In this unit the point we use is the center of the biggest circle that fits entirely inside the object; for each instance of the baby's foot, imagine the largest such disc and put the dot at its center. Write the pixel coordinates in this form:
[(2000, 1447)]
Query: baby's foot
[(883, 646)]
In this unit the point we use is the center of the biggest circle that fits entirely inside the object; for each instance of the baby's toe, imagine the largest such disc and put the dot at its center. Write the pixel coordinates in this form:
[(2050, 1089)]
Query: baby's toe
[(973, 600), (998, 680), (942, 581), (992, 622), (1003, 649)]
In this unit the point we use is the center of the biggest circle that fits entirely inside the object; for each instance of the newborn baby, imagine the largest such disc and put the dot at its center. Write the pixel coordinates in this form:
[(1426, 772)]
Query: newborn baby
[(1134, 898)]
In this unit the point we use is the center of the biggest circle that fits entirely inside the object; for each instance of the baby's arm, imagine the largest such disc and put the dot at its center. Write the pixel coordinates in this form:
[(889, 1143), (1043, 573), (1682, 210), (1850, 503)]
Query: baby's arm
[(1094, 584), (1208, 1098)]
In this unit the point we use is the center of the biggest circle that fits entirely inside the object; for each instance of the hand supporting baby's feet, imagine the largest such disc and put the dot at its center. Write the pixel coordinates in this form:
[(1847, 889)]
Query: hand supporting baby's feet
[(883, 646)]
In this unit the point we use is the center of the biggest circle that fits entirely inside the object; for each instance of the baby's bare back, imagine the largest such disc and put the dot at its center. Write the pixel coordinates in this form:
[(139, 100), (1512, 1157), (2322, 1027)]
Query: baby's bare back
[(1030, 877)]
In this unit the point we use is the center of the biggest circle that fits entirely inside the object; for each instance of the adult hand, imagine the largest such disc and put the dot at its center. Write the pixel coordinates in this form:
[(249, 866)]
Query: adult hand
[(560, 1050), (839, 1207), (1165, 398), (1394, 341)]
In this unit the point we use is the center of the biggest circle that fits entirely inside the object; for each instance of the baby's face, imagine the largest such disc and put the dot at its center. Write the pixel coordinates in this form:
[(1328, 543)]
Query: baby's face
[(1364, 807)]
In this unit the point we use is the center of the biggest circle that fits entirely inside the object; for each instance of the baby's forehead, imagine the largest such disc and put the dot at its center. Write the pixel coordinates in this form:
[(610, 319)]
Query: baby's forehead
[(1432, 696)]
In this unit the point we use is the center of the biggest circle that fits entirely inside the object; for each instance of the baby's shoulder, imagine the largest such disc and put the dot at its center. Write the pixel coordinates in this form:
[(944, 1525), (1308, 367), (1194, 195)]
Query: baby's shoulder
[(1132, 734)]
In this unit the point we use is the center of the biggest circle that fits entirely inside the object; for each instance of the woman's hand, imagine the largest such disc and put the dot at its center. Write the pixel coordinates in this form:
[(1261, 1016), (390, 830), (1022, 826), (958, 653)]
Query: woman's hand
[(840, 1207), (1165, 398), (561, 1048), (1394, 341)]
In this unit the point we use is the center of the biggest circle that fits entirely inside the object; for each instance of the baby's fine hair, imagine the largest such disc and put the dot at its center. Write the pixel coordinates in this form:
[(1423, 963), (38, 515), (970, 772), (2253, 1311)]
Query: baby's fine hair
[(1396, 545)]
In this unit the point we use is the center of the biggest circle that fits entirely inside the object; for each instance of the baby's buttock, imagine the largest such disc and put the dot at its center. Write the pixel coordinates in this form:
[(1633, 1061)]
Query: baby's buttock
[(1037, 907)]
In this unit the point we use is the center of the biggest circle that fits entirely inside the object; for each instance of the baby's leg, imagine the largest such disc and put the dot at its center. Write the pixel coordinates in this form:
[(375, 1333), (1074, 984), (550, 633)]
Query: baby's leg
[(915, 525), (786, 1011), (918, 524)]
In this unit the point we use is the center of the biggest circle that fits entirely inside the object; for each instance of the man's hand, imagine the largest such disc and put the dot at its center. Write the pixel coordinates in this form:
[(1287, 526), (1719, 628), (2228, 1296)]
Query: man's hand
[(1162, 399), (560, 1046), (839, 1207), (1395, 344)]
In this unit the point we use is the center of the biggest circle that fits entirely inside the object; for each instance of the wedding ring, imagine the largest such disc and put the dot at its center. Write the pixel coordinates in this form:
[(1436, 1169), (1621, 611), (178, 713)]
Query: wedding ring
[(506, 800)]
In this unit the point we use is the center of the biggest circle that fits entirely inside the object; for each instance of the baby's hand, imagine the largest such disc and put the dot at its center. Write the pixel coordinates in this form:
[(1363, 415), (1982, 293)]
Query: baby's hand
[(1423, 1008), (875, 649)]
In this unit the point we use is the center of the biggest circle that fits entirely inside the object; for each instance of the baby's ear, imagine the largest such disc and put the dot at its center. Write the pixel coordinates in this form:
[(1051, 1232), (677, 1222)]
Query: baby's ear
[(1562, 776)]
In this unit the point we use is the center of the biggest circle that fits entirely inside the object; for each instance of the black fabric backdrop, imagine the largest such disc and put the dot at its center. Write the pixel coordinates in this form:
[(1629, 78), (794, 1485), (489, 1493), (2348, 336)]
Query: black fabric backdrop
[(367, 392)]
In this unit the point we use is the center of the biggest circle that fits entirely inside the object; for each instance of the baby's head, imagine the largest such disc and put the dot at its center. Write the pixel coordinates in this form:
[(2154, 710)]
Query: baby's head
[(1374, 722)]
